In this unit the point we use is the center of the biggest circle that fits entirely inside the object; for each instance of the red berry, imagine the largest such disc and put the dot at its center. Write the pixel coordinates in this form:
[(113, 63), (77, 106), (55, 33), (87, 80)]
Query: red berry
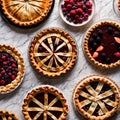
[(5, 63), (66, 1), (73, 12), (13, 77), (80, 20), (89, 4), (2, 82), (3, 72), (69, 6), (64, 9), (85, 16), (71, 2), (79, 10), (77, 17), (9, 73), (3, 57), (89, 11), (0, 75), (117, 54), (10, 67), (13, 65), (68, 15), (84, 7)]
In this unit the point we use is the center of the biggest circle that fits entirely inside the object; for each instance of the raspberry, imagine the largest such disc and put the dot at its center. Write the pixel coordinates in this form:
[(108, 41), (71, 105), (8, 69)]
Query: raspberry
[(2, 82), (117, 54), (73, 12), (79, 10)]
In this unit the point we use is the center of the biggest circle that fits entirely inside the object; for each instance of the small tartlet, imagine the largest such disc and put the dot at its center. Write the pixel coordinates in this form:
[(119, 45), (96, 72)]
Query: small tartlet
[(7, 115), (96, 97), (11, 68), (104, 54), (45, 102), (26, 13), (53, 52)]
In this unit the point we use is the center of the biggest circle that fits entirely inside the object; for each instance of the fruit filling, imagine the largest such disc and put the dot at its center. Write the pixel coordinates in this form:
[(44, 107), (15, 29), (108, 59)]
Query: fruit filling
[(77, 11), (97, 98), (104, 44), (8, 68), (50, 105)]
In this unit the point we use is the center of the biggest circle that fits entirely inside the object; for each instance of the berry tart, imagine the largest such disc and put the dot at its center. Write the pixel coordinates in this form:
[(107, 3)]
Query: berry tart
[(11, 68), (102, 44), (53, 52), (96, 97), (26, 13), (76, 12), (45, 103), (6, 115)]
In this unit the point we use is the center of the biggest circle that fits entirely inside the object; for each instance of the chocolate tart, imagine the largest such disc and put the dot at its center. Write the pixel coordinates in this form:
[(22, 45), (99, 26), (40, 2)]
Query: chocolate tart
[(6, 115), (26, 13), (53, 52), (45, 103), (102, 44), (96, 97), (11, 68)]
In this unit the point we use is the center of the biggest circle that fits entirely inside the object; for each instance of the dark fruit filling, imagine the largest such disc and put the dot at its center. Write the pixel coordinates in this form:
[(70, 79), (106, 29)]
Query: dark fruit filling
[(8, 68), (104, 44), (77, 11), (40, 97), (63, 49), (104, 89)]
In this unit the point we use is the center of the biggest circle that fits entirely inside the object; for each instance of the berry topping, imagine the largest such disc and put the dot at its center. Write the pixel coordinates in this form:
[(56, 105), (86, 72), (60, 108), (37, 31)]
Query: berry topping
[(8, 68), (117, 39), (95, 54), (117, 54), (100, 48), (82, 9)]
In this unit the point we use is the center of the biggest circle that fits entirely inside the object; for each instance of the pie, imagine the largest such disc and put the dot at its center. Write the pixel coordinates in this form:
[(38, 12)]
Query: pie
[(96, 97), (6, 115), (53, 52), (26, 13), (102, 44), (119, 5), (11, 68), (45, 103)]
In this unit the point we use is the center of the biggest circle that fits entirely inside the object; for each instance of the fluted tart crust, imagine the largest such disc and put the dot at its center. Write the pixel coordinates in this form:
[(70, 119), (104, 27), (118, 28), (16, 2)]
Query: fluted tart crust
[(45, 103), (7, 115), (26, 13), (96, 97), (53, 52), (11, 68), (102, 44)]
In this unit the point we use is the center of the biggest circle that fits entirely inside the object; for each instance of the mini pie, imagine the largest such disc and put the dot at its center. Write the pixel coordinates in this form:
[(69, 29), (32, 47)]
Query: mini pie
[(6, 115), (45, 103), (119, 5), (11, 68), (102, 44), (96, 97), (26, 13), (53, 52)]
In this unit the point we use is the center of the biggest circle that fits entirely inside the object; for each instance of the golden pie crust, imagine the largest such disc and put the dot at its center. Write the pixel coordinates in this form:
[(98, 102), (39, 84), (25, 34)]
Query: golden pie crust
[(95, 96), (45, 107), (26, 12), (17, 56), (53, 53), (7, 115), (86, 49)]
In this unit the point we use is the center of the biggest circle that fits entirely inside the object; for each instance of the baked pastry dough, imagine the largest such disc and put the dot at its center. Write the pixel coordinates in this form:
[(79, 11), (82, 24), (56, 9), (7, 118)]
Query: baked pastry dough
[(96, 97), (26, 13), (6, 115), (11, 68), (45, 103), (53, 52)]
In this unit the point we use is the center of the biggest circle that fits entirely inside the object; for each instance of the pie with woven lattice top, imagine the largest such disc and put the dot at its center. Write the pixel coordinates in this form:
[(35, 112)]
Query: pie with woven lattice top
[(53, 52), (11, 68), (96, 97), (45, 103), (6, 115), (102, 44), (26, 12)]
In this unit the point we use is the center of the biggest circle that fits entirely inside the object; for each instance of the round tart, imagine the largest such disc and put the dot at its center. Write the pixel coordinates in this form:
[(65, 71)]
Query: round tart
[(53, 52), (96, 97), (102, 44), (45, 103), (26, 13), (6, 115), (11, 68)]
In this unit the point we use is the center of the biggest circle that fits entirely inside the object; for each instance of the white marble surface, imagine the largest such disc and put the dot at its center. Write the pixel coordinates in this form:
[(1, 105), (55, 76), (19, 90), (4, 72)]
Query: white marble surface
[(21, 39)]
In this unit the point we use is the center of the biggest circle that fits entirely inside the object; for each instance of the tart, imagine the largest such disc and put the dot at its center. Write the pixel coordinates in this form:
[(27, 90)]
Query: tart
[(26, 13), (6, 115), (11, 68), (53, 52), (45, 103), (102, 44), (96, 97), (119, 5)]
